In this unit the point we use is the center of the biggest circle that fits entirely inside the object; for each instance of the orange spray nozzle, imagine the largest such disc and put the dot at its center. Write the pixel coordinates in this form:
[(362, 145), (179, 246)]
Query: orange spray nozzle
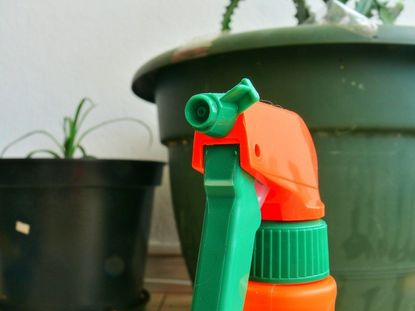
[(276, 148)]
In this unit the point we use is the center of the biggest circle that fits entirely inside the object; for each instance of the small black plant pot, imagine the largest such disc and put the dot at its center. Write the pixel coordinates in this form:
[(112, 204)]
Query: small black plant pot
[(73, 233)]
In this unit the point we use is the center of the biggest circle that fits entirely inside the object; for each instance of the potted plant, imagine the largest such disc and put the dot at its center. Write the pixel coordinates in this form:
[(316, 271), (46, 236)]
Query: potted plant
[(354, 90), (74, 231)]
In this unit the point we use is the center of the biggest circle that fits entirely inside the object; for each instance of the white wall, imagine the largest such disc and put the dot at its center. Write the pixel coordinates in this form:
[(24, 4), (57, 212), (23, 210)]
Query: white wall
[(54, 52)]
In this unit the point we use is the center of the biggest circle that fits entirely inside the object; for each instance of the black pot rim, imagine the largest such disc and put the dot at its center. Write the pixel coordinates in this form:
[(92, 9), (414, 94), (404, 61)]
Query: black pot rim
[(145, 79), (78, 160), (55, 173)]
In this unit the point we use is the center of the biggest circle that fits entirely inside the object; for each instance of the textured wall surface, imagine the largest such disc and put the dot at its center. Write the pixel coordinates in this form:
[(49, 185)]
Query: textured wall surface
[(53, 53)]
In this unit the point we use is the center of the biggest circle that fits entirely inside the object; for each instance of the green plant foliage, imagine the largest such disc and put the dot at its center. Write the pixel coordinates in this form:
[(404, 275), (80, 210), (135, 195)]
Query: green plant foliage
[(389, 14), (73, 136), (227, 16), (385, 12), (303, 12), (366, 7)]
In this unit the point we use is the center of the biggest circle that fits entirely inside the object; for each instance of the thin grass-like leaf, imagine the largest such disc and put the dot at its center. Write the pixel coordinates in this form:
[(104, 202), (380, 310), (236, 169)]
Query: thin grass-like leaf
[(50, 152), (27, 135), (84, 154), (70, 137), (68, 145), (83, 151), (66, 126), (99, 125), (86, 113), (78, 112)]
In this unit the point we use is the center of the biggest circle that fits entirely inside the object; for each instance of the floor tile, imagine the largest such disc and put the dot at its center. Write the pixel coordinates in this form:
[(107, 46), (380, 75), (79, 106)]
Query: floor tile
[(156, 301), (177, 302)]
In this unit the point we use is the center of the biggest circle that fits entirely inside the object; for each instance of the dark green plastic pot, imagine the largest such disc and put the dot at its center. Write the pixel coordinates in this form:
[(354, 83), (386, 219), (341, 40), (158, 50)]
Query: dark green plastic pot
[(73, 233), (357, 95)]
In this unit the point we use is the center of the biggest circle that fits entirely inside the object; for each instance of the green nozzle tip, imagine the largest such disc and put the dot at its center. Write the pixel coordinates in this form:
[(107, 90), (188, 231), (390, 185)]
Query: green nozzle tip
[(201, 111), (215, 114)]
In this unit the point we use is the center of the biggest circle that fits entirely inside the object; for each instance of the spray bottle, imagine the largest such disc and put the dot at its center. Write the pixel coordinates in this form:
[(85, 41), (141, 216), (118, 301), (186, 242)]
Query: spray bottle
[(264, 245)]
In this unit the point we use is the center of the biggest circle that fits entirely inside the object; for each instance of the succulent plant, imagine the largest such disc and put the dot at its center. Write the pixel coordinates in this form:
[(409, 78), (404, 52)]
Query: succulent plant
[(383, 10)]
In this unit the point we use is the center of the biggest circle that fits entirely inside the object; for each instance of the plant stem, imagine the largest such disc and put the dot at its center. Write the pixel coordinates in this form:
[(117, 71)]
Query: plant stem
[(227, 16), (303, 12), (74, 126)]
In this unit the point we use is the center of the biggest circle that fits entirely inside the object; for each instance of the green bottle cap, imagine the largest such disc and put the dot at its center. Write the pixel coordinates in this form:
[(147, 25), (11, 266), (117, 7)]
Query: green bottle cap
[(290, 252)]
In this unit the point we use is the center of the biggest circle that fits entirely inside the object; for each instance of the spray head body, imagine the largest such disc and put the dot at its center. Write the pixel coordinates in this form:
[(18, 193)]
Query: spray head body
[(276, 148), (259, 163)]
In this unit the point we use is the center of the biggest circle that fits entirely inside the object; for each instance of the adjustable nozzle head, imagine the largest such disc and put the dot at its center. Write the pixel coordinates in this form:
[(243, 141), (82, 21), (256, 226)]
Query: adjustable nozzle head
[(215, 114), (202, 111)]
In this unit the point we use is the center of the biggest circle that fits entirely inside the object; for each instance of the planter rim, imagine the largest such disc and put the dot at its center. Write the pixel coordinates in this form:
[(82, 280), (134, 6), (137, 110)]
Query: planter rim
[(58, 173), (79, 161), (144, 81)]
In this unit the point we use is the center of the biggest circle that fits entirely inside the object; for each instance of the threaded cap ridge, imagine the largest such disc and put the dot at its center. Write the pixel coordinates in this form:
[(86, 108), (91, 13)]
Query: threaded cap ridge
[(290, 252)]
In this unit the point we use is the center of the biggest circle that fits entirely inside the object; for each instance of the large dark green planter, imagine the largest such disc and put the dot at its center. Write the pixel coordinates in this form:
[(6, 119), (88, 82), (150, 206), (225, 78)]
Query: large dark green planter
[(73, 233), (357, 95)]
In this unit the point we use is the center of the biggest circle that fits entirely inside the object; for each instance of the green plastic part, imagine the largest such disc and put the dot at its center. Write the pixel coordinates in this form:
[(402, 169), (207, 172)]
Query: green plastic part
[(291, 252), (232, 217), (215, 113)]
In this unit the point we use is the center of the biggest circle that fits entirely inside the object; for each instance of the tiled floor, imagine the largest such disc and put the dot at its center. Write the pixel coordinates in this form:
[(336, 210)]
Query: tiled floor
[(168, 283)]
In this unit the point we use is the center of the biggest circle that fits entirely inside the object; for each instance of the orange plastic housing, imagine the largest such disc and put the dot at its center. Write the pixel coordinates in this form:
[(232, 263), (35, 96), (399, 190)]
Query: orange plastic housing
[(316, 296), (276, 148)]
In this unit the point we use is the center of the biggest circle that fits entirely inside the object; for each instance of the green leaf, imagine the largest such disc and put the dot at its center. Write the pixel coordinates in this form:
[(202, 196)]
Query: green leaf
[(366, 7), (83, 151), (387, 14), (27, 135), (227, 16), (66, 126), (86, 113), (72, 136), (99, 125), (69, 139), (78, 112), (50, 152), (74, 126)]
